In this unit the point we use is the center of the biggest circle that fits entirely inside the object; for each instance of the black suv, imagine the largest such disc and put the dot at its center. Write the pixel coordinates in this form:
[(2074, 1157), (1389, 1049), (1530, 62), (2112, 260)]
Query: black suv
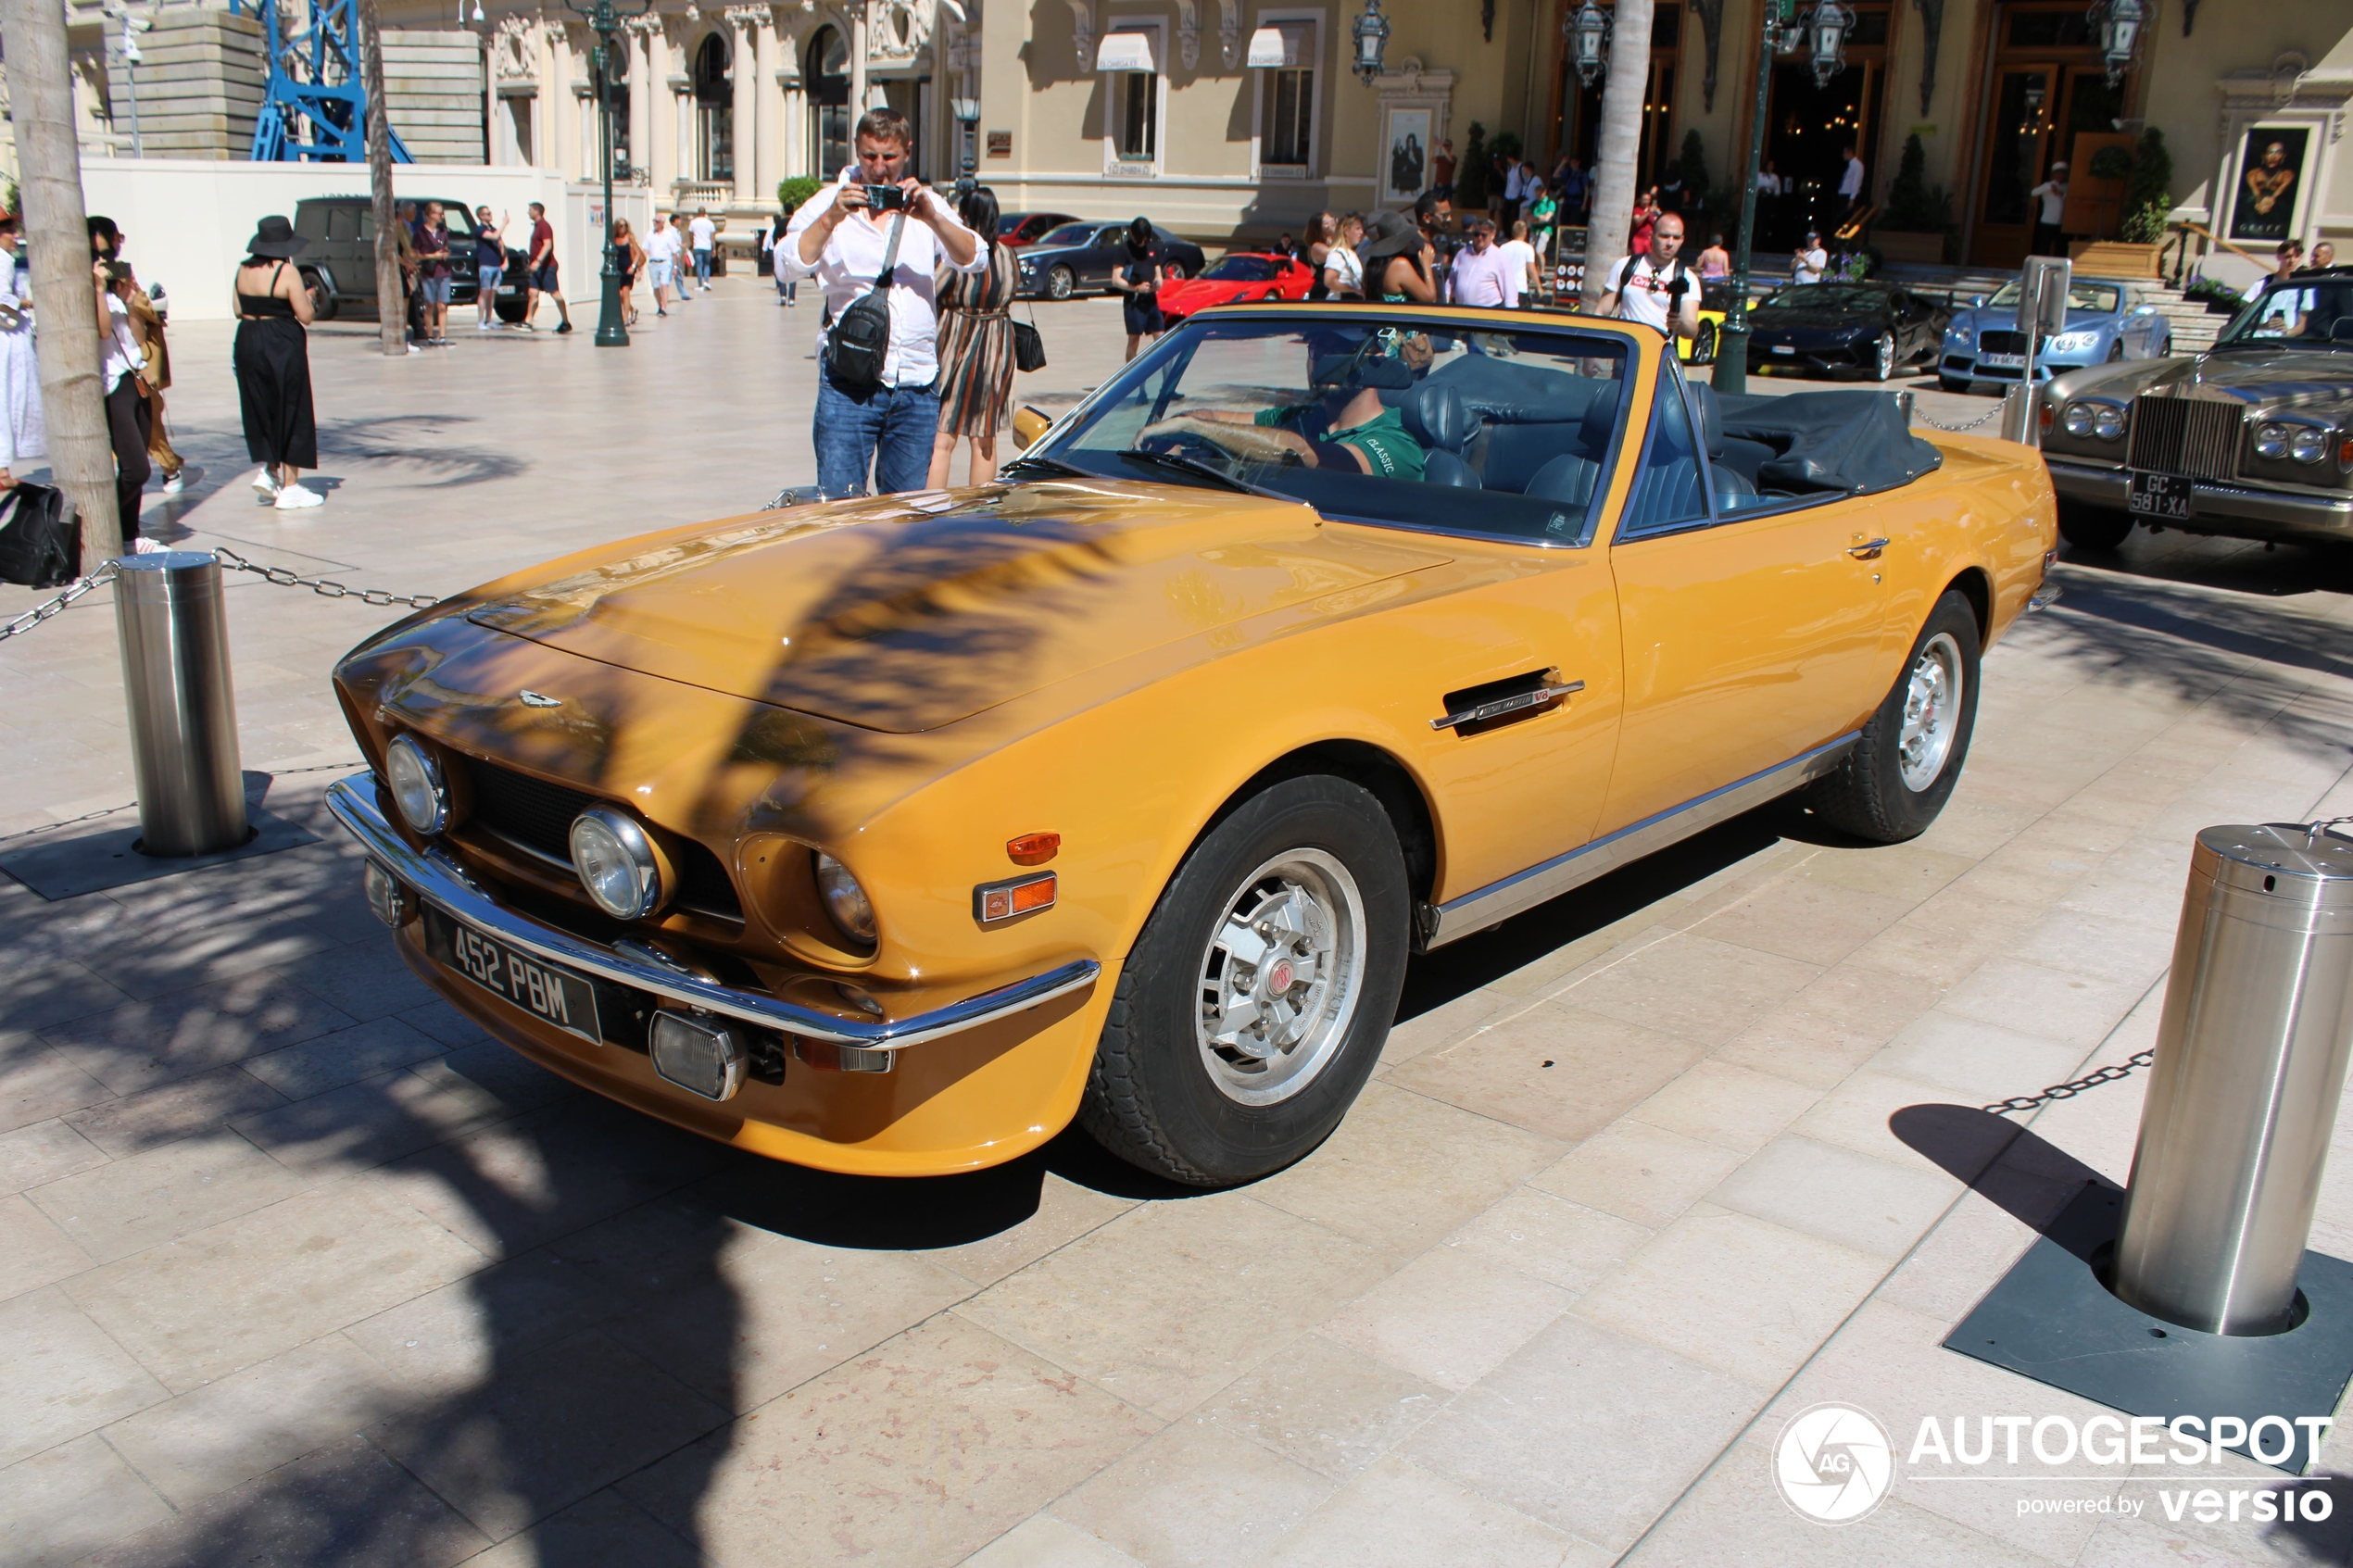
[(340, 262)]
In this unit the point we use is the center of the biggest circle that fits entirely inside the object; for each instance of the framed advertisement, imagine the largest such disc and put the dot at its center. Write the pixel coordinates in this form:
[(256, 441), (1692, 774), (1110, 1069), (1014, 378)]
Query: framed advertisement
[(1405, 154), (2269, 183)]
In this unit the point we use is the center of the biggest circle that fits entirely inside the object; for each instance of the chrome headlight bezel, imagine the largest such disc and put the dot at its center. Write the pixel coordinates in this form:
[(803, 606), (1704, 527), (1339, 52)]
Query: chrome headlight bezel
[(2109, 422), (2310, 444), (626, 879), (2270, 439), (419, 788), (2077, 421), (845, 897), (2071, 342)]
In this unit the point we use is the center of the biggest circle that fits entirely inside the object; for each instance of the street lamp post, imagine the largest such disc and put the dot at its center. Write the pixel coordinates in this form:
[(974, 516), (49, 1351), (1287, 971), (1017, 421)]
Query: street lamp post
[(1730, 377), (604, 19), (967, 112), (1369, 35)]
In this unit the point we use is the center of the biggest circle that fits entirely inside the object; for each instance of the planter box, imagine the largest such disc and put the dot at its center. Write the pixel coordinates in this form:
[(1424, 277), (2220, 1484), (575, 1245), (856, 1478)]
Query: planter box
[(1919, 249), (2114, 258)]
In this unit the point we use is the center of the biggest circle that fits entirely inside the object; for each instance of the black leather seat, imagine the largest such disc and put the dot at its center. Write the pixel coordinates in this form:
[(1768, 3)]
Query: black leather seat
[(1434, 415), (1571, 475), (1723, 478)]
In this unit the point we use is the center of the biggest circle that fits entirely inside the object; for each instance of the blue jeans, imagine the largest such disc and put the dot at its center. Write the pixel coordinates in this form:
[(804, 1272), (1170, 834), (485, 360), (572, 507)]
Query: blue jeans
[(890, 429), (702, 266)]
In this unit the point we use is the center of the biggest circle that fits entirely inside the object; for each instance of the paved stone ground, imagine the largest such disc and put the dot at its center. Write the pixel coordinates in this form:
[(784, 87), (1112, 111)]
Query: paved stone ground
[(296, 1267)]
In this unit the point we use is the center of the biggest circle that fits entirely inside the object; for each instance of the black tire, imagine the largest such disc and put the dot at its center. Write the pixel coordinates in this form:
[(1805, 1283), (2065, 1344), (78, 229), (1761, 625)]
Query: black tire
[(1868, 796), (323, 299), (1704, 345), (1152, 1096), (1059, 282), (2094, 528), (509, 310)]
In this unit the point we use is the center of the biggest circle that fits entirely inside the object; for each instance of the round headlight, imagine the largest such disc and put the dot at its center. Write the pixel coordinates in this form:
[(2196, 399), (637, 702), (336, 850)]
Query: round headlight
[(2107, 423), (2309, 444), (616, 862), (845, 900), (2270, 440), (417, 787), (2079, 419)]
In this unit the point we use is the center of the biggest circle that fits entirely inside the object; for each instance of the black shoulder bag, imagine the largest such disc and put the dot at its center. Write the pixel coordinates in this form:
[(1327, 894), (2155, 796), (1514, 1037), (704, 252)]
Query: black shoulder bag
[(1029, 348), (859, 341), (40, 536)]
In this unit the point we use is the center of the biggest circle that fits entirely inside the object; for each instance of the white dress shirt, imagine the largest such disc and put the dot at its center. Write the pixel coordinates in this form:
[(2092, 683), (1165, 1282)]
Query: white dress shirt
[(1484, 277), (846, 268), (1850, 184)]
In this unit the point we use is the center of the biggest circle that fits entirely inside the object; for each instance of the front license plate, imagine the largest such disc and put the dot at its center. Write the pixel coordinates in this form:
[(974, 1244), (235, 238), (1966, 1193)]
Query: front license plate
[(1784, 348), (2002, 361), (2164, 495), (551, 995)]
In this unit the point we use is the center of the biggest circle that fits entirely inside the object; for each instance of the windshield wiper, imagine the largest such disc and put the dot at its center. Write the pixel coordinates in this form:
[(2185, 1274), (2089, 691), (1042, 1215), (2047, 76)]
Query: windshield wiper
[(1055, 466), (1215, 476)]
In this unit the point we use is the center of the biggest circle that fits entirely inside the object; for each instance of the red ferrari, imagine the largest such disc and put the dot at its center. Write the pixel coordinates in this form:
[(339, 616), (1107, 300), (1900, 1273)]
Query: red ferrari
[(1243, 276)]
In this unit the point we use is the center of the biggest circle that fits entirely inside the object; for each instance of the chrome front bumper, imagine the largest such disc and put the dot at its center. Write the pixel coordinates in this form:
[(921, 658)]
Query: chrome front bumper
[(2257, 510), (436, 879)]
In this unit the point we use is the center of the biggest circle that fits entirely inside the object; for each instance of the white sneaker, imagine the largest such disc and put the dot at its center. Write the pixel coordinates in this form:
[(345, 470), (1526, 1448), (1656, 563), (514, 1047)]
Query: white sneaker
[(176, 484), (414, 349), (484, 326), (143, 545), (266, 482), (294, 498)]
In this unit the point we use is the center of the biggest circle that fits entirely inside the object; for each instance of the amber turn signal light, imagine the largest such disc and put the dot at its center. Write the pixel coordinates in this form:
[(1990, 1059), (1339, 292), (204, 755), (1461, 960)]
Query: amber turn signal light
[(1033, 849), (996, 901)]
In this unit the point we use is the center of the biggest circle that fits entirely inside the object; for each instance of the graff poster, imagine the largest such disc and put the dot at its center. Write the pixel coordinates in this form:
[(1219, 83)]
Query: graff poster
[(2270, 176)]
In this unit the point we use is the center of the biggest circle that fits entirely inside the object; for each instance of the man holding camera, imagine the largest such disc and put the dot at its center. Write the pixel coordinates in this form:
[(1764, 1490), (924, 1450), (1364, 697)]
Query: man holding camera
[(842, 237)]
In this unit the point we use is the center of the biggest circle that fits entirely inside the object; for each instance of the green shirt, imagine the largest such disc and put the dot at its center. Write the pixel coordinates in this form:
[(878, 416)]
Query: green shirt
[(1391, 453)]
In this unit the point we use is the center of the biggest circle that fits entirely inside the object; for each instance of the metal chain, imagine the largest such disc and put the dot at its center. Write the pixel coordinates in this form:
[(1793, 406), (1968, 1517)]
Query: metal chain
[(285, 578), (1922, 415), (74, 590), (2075, 1087)]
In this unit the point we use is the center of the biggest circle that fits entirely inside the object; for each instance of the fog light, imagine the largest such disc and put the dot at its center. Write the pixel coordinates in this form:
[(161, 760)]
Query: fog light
[(2309, 444), (418, 787), (702, 1058), (827, 1057), (386, 897), (2109, 425)]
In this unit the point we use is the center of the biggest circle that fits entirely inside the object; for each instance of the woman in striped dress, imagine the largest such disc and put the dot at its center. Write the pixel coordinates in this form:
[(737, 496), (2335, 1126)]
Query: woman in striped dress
[(975, 348)]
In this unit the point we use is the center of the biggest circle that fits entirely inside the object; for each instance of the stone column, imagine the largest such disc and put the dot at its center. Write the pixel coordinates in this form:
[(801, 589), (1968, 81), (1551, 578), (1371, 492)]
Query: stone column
[(794, 144), (641, 42), (559, 121), (744, 77), (768, 126), (857, 29)]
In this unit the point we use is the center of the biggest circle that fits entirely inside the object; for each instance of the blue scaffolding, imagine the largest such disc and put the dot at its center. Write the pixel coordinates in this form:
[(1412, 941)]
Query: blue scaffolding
[(315, 106)]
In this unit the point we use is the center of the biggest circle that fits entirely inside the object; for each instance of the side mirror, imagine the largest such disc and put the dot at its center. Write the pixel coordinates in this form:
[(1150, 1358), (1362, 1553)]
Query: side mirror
[(1028, 425), (1977, 302)]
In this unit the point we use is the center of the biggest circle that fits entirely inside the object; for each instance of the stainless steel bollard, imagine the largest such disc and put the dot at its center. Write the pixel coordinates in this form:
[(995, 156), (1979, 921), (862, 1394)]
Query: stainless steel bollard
[(174, 630), (2251, 1054)]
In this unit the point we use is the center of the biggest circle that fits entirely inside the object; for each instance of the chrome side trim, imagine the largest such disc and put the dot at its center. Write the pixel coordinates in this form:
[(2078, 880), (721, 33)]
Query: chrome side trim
[(441, 882), (1522, 891)]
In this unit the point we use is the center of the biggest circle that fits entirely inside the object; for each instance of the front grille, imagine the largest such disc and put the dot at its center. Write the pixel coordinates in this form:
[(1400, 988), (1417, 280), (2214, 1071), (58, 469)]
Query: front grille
[(2185, 435), (538, 816), (2001, 343)]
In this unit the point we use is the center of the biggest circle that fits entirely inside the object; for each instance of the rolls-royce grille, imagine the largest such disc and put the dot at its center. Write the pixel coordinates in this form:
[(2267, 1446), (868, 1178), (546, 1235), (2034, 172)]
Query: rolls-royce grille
[(536, 815), (2001, 343), (2185, 435)]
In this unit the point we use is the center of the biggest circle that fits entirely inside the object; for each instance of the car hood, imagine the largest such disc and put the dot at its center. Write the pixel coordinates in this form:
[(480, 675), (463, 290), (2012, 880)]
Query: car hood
[(906, 613), (1810, 320), (2000, 318), (2263, 380)]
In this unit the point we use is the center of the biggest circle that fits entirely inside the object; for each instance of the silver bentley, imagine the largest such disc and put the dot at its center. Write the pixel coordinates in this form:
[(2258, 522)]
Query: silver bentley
[(2253, 439)]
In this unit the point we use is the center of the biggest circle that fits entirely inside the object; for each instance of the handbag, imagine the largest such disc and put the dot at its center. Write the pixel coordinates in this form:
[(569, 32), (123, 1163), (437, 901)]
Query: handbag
[(40, 545), (1030, 347), (859, 343)]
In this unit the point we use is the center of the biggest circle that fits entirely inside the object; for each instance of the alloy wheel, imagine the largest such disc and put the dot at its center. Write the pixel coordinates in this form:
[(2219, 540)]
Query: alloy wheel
[(1886, 368), (1932, 713), (1280, 977), (1058, 284)]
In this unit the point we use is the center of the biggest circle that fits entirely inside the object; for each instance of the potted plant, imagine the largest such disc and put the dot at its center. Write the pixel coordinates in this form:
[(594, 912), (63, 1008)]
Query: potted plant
[(2147, 173), (1917, 218)]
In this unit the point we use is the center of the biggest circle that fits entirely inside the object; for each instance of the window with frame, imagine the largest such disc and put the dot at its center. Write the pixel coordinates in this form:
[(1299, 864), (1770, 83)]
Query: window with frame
[(1672, 492), (1139, 99), (1289, 116)]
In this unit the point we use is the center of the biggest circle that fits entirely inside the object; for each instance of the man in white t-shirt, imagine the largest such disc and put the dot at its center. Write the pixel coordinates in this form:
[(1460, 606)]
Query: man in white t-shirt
[(1811, 262), (1523, 256), (1656, 288), (662, 260), (2052, 195), (699, 235), (1850, 184)]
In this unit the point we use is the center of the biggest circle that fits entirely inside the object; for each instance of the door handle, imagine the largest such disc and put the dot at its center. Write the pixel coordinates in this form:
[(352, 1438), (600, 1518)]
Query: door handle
[(1868, 549), (1511, 704)]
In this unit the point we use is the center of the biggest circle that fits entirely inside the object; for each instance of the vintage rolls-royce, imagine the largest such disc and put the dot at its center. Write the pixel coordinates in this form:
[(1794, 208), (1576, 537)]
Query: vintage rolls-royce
[(891, 834), (2253, 439)]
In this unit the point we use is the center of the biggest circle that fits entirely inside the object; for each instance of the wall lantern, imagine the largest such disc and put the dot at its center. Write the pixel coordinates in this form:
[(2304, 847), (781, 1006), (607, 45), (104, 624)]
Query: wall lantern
[(1370, 32), (1587, 29), (1828, 24), (2117, 24)]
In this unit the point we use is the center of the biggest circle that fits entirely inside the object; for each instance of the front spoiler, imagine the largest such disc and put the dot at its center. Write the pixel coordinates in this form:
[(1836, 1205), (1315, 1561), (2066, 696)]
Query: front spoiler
[(436, 879), (2232, 508)]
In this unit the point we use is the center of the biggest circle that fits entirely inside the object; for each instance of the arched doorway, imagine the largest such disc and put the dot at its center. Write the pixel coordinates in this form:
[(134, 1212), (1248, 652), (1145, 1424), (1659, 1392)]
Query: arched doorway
[(827, 74), (2045, 87), (1808, 128), (715, 112)]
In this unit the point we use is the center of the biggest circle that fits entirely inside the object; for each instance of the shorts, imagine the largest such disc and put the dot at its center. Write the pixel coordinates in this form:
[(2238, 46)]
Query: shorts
[(1143, 314), (663, 270), (487, 279), (543, 277), (434, 291)]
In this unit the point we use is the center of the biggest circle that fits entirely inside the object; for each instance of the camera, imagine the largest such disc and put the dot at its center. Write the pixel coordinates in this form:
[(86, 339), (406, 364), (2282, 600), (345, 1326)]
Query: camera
[(886, 198)]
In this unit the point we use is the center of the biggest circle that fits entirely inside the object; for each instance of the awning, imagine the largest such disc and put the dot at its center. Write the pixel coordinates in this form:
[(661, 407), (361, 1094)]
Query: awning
[(1280, 45), (1127, 51)]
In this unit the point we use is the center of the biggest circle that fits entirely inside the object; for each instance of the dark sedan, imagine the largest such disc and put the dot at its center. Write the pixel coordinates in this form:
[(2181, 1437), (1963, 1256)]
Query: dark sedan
[(1015, 229), (1840, 327), (1080, 258)]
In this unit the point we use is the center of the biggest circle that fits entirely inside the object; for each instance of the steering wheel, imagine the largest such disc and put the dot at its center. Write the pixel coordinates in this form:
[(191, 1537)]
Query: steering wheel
[(1192, 445)]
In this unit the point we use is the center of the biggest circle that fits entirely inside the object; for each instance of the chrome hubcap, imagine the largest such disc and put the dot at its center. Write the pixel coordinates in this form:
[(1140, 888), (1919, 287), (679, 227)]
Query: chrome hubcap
[(1886, 358), (1932, 713), (1279, 978)]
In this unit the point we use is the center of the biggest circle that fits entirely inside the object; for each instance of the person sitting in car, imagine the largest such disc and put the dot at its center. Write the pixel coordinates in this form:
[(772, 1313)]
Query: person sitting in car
[(1342, 425)]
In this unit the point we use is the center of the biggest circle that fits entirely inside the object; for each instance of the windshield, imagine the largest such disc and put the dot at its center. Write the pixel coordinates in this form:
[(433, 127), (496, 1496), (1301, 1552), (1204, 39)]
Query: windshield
[(1501, 434), (1824, 296), (2102, 297), (1069, 235), (1242, 269), (2309, 315)]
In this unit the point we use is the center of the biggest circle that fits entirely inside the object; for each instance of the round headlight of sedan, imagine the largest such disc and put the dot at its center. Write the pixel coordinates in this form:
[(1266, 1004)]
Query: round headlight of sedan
[(2309, 444), (2270, 439), (845, 900), (617, 863), (418, 786), (2107, 423), (2078, 421)]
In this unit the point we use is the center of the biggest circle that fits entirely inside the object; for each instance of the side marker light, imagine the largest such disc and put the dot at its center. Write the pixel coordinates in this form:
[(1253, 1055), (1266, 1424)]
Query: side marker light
[(1033, 849), (996, 901)]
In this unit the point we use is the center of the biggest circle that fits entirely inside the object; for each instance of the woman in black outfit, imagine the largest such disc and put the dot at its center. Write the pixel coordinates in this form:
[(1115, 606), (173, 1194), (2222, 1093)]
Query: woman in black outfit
[(1140, 277), (273, 359)]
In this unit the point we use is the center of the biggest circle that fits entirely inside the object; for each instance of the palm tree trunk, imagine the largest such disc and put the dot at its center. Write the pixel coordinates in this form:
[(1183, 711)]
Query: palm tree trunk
[(1630, 66), (391, 316), (73, 401)]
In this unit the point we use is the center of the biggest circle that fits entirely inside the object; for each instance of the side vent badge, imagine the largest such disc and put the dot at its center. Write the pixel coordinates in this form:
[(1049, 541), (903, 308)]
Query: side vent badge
[(532, 699)]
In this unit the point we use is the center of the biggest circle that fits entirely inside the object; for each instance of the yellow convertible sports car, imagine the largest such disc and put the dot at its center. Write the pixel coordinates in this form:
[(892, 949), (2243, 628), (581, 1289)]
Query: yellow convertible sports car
[(889, 835)]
